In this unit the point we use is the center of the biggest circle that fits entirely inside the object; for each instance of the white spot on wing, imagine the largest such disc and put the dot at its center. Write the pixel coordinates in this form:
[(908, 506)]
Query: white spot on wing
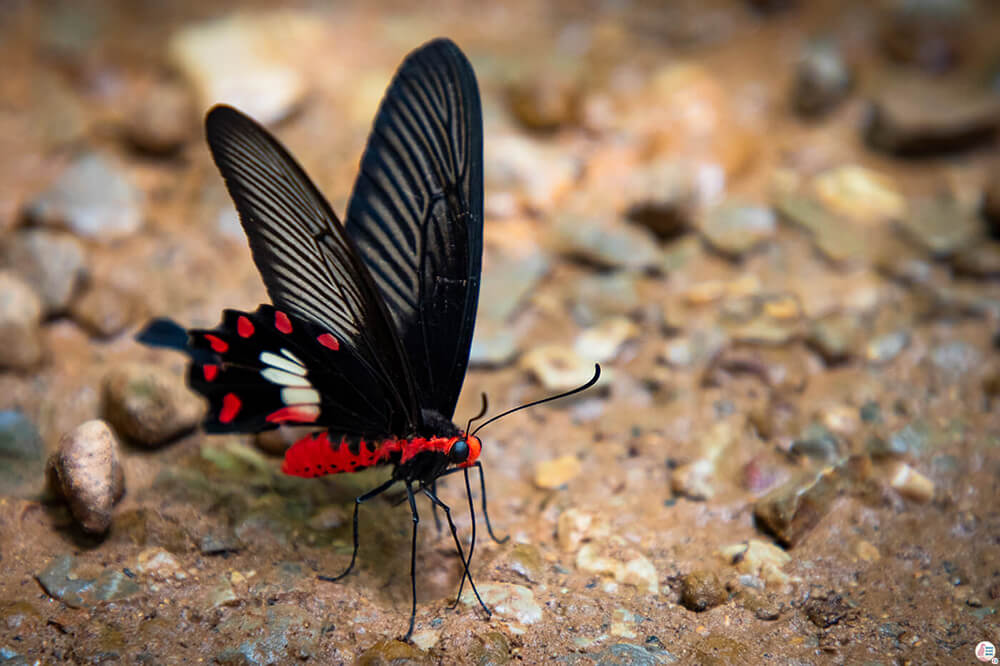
[(292, 356), (283, 378), (300, 396), (295, 367)]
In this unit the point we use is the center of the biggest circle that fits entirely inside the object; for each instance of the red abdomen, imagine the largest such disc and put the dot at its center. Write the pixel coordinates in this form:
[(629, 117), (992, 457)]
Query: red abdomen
[(317, 455)]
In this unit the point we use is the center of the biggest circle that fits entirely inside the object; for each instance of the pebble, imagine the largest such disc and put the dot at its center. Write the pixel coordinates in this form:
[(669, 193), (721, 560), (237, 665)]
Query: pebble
[(956, 358), (910, 120), (548, 99), (599, 296), (491, 649), (640, 572), (537, 173), (859, 193), (158, 563), (159, 116), (887, 347), (53, 262), (104, 311), (606, 243), (21, 452), (694, 480), (867, 551), (86, 471), (623, 623), (662, 196), (602, 343), (557, 367), (515, 602), (552, 474), (149, 404), (930, 34), (426, 639), (941, 226), (759, 558), (793, 509), (838, 240), (390, 651), (910, 483), (59, 581), (735, 228), (525, 560), (93, 198), (702, 590), (836, 336), (694, 348), (822, 79), (574, 526), (248, 60), (20, 320)]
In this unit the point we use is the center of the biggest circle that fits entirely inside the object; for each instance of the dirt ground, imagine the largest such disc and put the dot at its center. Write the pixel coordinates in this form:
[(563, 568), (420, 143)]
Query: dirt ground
[(774, 223)]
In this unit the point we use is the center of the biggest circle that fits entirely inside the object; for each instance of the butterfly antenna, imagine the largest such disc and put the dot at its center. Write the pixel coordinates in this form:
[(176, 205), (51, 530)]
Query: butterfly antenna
[(593, 380), (477, 416)]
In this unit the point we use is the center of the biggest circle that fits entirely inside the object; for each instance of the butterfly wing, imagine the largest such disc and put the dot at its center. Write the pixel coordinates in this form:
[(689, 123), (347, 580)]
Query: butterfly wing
[(416, 214), (314, 274)]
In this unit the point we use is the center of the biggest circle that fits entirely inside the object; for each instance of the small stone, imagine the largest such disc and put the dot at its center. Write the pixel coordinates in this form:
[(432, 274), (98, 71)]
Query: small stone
[(547, 100), (662, 197), (694, 480), (941, 226), (866, 551), (623, 623), (956, 358), (694, 348), (86, 471), (515, 602), (837, 336), (930, 34), (912, 120), (600, 296), (590, 560), (387, 652), (792, 510), (602, 343), (860, 194), (826, 611), (525, 560), (158, 563), (93, 198), (52, 262), (887, 347), (759, 558), (59, 581), (149, 404), (640, 572), (159, 116), (426, 639), (491, 649), (606, 243), (104, 311), (701, 590), (822, 80), (736, 228), (537, 173), (113, 585), (910, 483), (241, 60), (20, 319), (222, 594), (21, 453), (551, 474), (557, 368), (572, 528)]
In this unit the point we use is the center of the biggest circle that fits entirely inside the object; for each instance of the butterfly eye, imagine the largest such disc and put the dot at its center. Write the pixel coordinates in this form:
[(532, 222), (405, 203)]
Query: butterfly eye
[(459, 452)]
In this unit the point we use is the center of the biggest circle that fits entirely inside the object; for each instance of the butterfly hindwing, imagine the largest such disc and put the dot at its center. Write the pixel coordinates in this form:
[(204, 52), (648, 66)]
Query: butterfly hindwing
[(309, 265), (416, 214)]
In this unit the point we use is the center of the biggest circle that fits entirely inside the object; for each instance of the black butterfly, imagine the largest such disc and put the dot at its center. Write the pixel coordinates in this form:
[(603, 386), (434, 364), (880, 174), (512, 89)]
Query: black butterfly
[(369, 333)]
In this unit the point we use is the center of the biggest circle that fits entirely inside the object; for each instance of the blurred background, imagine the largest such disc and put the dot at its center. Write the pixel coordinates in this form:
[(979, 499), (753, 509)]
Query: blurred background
[(774, 223)]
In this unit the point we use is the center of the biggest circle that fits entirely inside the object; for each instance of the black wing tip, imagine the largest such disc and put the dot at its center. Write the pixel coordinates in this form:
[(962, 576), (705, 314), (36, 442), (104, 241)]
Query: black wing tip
[(163, 332)]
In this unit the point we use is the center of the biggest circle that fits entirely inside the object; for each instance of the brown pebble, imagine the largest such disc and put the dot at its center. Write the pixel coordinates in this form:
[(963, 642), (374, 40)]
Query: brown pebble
[(86, 471), (388, 652), (159, 117), (701, 590), (103, 311), (148, 404), (20, 319)]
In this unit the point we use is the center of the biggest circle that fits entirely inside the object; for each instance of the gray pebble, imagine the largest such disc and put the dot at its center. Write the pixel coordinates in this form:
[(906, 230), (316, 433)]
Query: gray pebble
[(53, 262)]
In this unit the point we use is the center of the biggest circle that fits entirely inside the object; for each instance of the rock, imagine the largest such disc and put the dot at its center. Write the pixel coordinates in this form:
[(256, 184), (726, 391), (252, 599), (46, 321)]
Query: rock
[(491, 649), (941, 226), (557, 368), (551, 474), (390, 652), (602, 343), (910, 483), (887, 347), (148, 404), (759, 558), (86, 471), (284, 633), (694, 480), (54, 263), (526, 561), (860, 194), (701, 590), (426, 639), (93, 198), (822, 80), (252, 61), (663, 195), (735, 228), (536, 173), (597, 297), (104, 311), (158, 563), (590, 560), (20, 320), (515, 602), (159, 116), (826, 610), (623, 623), (837, 335), (606, 243), (915, 120), (22, 452), (793, 509), (930, 34), (547, 100), (839, 241), (866, 551), (640, 572), (574, 527), (695, 348), (60, 583), (956, 358)]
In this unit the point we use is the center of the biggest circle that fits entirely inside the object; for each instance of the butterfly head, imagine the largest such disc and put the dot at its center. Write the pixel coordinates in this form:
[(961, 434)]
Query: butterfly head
[(464, 450)]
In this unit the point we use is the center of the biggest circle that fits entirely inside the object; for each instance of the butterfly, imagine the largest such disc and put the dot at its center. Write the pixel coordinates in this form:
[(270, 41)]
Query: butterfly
[(368, 334)]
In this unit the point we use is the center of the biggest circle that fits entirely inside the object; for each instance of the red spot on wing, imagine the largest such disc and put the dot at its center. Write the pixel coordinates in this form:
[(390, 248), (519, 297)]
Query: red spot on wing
[(296, 413), (282, 322), (218, 344), (244, 327), (210, 371), (230, 408), (329, 341)]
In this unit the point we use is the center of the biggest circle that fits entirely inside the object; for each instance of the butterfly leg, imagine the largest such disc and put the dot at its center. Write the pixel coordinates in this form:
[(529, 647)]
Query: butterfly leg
[(413, 561), (458, 545), (434, 509), (358, 501), (486, 515)]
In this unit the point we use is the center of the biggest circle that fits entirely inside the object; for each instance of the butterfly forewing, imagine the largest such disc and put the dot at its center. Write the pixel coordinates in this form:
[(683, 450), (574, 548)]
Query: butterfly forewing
[(416, 214), (310, 267)]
